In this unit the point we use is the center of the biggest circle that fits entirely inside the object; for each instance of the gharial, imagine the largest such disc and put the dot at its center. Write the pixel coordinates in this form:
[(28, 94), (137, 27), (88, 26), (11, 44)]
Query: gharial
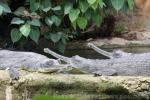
[(118, 62), (30, 61)]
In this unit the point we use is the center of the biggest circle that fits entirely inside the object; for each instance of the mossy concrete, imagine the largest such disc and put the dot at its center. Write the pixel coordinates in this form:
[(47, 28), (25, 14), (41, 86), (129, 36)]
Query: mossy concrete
[(87, 86)]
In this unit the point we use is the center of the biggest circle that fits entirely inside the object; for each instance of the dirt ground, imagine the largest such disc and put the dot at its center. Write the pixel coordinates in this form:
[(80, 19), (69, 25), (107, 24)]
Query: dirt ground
[(133, 21)]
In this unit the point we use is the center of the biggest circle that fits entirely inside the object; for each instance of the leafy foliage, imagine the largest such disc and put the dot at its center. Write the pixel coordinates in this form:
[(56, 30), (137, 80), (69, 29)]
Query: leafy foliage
[(53, 98), (60, 18), (117, 4)]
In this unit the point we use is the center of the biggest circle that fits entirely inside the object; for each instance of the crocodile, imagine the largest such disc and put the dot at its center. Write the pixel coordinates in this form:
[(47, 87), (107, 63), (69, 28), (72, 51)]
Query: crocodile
[(133, 65), (30, 61)]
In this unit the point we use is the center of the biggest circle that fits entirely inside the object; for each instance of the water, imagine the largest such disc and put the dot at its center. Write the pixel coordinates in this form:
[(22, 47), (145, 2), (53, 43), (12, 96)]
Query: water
[(89, 53)]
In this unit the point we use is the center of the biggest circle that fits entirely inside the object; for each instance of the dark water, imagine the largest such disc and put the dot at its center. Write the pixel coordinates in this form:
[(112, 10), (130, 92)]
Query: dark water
[(84, 53), (89, 53)]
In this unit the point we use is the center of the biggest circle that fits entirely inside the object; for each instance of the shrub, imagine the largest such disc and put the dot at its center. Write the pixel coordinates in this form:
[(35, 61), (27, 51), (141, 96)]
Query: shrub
[(58, 20)]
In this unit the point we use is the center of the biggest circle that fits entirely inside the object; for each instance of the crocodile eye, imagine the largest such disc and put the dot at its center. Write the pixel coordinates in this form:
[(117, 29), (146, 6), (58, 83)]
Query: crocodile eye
[(49, 63), (116, 55)]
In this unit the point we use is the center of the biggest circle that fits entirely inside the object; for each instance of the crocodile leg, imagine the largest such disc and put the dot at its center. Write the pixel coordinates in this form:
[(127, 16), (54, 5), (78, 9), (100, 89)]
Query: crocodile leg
[(106, 72), (13, 73)]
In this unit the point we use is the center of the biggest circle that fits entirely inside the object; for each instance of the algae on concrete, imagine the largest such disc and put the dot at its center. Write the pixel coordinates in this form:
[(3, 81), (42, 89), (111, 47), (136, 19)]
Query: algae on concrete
[(81, 86)]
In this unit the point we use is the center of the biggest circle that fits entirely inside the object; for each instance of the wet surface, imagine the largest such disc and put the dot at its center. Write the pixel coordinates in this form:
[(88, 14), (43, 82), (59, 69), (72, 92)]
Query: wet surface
[(89, 53)]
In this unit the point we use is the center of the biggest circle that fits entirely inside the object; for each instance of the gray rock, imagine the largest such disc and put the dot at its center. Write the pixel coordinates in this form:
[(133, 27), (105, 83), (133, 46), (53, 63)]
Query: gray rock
[(145, 86)]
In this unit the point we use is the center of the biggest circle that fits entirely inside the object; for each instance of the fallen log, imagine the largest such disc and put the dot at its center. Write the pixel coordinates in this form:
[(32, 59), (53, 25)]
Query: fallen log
[(126, 66)]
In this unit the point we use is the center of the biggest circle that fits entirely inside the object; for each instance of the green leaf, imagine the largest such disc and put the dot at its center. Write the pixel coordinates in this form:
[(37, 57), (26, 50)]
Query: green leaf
[(19, 11), (89, 14), (1, 10), (82, 22), (34, 14), (125, 8), (56, 8), (55, 37), (95, 5), (47, 35), (74, 24), (17, 21), (35, 22), (67, 8), (56, 20), (73, 15), (25, 30), (35, 34), (34, 5), (117, 4), (130, 4), (48, 21), (91, 1), (5, 7), (46, 5), (15, 35), (101, 3), (97, 19), (83, 5)]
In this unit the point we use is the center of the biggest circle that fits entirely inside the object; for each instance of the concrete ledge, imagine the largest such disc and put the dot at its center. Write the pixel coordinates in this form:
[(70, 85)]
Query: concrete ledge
[(31, 84)]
